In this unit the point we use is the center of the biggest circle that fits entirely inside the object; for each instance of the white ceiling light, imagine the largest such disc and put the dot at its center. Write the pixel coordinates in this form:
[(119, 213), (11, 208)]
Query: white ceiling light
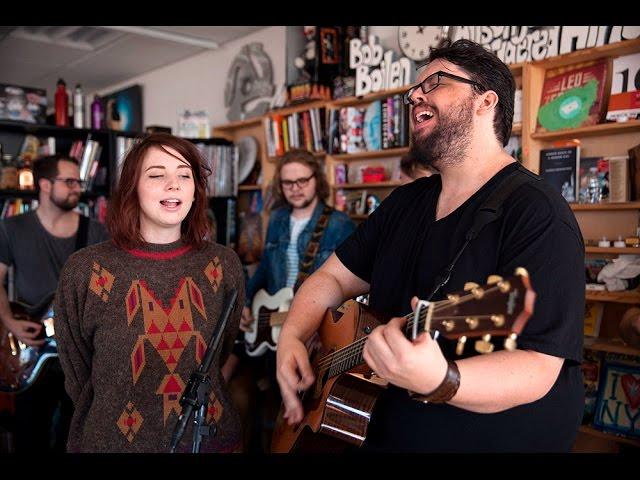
[(164, 35)]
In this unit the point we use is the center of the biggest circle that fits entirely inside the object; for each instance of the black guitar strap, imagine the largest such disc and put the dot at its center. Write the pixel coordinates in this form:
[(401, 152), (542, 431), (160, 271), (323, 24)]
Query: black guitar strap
[(488, 212), (306, 263), (82, 236)]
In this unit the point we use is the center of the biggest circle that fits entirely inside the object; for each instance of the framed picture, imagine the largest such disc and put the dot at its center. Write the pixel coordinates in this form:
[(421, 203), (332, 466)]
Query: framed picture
[(123, 109), (619, 399), (23, 104)]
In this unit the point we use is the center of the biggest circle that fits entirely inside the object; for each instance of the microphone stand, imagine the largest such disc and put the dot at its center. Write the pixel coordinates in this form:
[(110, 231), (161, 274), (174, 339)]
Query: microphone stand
[(195, 397)]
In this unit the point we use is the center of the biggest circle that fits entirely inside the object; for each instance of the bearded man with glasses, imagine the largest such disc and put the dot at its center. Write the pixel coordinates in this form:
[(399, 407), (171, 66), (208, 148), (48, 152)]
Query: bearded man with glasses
[(422, 242), (300, 190), (37, 244)]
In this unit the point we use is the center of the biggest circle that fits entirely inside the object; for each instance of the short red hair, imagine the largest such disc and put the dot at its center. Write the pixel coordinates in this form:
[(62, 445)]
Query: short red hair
[(123, 214)]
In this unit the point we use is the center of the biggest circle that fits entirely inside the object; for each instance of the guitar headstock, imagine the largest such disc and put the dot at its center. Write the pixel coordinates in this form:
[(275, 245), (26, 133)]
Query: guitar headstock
[(501, 307)]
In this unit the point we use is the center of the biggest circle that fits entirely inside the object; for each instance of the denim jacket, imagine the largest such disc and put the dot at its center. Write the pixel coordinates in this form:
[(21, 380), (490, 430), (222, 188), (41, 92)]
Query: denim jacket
[(272, 271)]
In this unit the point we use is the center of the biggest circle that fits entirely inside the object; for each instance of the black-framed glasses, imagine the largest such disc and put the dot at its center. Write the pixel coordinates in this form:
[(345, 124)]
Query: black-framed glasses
[(70, 182), (432, 82), (300, 182)]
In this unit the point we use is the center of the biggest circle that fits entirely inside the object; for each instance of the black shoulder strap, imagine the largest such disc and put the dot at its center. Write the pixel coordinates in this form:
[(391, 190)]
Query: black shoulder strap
[(489, 211), (306, 263), (82, 236)]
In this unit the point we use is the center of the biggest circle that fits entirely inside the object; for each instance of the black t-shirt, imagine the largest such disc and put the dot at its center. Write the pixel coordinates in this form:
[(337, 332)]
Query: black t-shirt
[(400, 250), (38, 256)]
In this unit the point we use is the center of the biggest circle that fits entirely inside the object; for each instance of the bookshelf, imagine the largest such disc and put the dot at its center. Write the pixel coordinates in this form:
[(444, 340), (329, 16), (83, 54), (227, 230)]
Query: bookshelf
[(12, 137), (609, 220)]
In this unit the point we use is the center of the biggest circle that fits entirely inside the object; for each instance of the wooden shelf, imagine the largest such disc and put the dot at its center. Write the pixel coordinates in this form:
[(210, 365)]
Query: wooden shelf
[(249, 122), (609, 436), (516, 68), (613, 49), (315, 154), (516, 129), (389, 152), (346, 101), (249, 188), (605, 206), (367, 185), (613, 250), (613, 345), (626, 296), (590, 131)]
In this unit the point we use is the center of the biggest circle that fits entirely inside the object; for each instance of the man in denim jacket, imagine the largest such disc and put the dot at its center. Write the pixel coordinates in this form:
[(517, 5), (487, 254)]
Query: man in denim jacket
[(300, 191), (301, 187)]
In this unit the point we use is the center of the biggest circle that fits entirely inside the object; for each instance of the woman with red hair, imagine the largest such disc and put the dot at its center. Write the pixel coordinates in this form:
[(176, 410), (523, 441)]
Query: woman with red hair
[(134, 315)]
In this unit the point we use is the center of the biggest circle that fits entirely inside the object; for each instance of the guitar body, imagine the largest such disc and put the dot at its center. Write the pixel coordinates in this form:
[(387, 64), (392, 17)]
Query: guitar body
[(339, 407), (264, 335), (21, 365)]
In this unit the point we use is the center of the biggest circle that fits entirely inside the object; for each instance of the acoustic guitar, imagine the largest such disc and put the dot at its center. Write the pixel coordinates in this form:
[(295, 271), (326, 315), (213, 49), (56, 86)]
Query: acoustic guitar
[(338, 405)]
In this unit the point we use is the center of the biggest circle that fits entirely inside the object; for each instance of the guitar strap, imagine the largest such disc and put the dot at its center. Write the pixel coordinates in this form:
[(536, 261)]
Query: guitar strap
[(82, 236), (306, 263), (488, 212)]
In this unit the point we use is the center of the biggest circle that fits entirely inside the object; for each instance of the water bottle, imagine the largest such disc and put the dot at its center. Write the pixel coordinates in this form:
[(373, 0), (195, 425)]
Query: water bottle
[(62, 104), (594, 191), (96, 113), (78, 108)]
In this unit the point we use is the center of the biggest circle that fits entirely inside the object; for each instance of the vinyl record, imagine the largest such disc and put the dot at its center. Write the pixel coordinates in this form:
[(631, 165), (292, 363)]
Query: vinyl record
[(247, 154)]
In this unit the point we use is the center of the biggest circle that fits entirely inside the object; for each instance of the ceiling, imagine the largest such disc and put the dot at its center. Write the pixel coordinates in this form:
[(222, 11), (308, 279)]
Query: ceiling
[(96, 57)]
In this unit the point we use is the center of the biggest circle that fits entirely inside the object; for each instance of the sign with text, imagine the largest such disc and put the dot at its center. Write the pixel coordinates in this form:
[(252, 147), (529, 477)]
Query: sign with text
[(377, 70)]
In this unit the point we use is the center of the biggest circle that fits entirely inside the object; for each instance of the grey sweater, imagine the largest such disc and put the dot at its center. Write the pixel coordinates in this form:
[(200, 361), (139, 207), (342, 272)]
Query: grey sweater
[(131, 326)]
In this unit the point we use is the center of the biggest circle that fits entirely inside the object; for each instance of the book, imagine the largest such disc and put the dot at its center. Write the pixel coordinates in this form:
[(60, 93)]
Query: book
[(618, 179), (592, 318), (574, 95), (634, 172), (371, 129), (624, 98), (591, 365), (560, 166)]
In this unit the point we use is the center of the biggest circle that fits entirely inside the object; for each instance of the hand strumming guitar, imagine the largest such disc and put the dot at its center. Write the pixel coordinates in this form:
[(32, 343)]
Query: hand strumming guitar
[(24, 330)]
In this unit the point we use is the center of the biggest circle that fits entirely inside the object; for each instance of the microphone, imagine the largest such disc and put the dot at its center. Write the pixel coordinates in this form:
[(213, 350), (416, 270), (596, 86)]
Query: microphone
[(199, 385)]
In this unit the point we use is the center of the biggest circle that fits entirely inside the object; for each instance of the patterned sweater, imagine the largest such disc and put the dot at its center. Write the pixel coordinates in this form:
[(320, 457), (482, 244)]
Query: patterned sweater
[(131, 327)]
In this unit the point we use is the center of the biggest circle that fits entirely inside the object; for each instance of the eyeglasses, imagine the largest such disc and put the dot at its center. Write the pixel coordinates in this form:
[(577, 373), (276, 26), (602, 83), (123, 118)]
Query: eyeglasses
[(70, 182), (300, 182), (432, 82)]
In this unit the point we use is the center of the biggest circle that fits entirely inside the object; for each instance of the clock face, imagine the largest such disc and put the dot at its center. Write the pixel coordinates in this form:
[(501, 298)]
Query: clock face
[(415, 41)]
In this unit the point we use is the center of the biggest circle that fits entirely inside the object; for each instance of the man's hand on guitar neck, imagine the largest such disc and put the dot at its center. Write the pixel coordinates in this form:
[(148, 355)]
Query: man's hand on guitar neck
[(418, 366), (294, 375), (25, 331)]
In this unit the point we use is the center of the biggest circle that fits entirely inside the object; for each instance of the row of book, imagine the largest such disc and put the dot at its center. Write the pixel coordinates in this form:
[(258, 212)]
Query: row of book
[(378, 125), (590, 179), (297, 130), (123, 145), (96, 209), (588, 93), (223, 162)]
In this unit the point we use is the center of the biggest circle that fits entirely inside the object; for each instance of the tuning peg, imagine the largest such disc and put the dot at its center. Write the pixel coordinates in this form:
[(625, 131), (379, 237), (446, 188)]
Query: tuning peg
[(472, 322), (484, 345), (522, 272), (470, 286), (453, 298), (498, 320), (510, 342), (448, 325), (460, 345), (504, 286), (493, 279)]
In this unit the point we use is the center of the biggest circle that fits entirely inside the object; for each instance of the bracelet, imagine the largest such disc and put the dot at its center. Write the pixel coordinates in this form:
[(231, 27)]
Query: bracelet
[(446, 390)]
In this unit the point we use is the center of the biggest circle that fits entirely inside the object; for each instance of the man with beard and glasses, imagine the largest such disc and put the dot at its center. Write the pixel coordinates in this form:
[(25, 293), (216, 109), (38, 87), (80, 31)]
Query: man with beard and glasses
[(525, 400), (37, 245), (300, 192)]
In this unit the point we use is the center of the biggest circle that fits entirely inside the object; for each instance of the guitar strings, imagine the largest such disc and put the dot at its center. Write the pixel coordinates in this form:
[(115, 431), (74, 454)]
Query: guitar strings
[(354, 350)]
